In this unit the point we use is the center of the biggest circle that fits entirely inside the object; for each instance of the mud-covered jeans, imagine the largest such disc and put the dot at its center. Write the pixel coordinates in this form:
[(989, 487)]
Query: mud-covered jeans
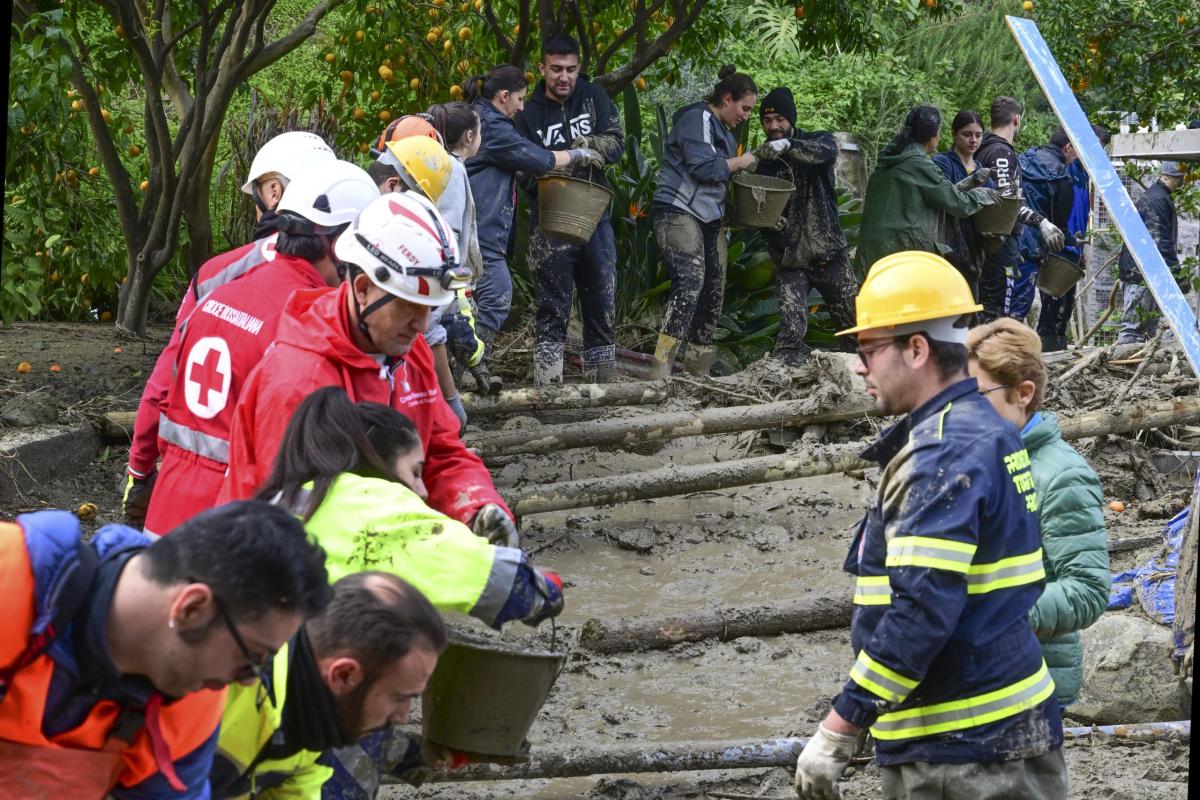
[(835, 280), (1139, 314), (1041, 777), (558, 268), (493, 292), (993, 278), (695, 254)]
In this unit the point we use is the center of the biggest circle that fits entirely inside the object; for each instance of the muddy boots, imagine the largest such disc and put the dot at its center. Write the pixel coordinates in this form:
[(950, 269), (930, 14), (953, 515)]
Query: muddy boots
[(699, 358), (485, 381), (600, 372), (664, 357), (547, 364)]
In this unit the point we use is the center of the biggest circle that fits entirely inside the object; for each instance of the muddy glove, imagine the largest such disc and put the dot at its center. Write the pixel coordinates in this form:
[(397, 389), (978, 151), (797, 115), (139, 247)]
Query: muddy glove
[(1052, 237), (549, 586), (136, 500), (821, 764), (586, 156), (492, 523), (771, 149), (976, 179), (582, 142), (456, 405)]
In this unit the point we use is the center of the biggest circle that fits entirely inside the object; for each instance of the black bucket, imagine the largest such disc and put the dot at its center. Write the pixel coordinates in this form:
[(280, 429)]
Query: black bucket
[(1057, 275), (999, 217), (484, 695)]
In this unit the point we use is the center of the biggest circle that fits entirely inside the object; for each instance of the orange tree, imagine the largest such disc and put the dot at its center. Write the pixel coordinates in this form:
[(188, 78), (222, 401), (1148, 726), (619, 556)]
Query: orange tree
[(1141, 57), (173, 67)]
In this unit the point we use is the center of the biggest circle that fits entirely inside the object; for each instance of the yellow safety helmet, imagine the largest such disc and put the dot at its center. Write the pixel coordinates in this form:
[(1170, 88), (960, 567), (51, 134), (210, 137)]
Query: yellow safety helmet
[(422, 163), (911, 286)]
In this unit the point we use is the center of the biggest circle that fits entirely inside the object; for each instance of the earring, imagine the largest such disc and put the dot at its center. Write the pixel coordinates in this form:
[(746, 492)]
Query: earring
[(171, 624)]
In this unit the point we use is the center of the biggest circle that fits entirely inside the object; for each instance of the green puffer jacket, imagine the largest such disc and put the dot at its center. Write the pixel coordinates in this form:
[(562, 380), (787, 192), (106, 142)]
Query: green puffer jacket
[(1074, 551), (906, 197)]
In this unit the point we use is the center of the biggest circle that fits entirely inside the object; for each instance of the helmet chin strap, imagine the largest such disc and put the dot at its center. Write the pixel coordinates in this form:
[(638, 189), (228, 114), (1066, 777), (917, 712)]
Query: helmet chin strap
[(361, 313), (258, 200)]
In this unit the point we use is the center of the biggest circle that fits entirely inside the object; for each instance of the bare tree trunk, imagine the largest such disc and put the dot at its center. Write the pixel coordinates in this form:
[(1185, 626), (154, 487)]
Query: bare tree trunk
[(134, 298)]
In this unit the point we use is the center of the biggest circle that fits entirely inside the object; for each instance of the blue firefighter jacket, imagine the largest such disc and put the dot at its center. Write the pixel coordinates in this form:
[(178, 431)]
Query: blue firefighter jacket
[(1049, 190), (949, 563)]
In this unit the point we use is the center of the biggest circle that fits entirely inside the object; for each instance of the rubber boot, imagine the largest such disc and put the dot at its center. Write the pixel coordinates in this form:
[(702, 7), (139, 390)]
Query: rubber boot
[(699, 358), (664, 357), (1051, 344), (547, 364), (485, 381), (601, 372)]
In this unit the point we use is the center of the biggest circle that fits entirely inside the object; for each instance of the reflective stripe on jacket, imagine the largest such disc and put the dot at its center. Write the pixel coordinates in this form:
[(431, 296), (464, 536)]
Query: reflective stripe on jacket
[(36, 552), (247, 727), (948, 564)]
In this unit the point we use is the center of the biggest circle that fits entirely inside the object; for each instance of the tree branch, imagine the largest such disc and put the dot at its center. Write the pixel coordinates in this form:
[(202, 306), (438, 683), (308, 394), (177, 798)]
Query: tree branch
[(613, 82), (489, 17), (639, 23), (285, 44)]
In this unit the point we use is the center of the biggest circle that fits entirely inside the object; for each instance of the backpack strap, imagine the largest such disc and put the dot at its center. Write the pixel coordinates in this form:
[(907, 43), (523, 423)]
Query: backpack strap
[(66, 598)]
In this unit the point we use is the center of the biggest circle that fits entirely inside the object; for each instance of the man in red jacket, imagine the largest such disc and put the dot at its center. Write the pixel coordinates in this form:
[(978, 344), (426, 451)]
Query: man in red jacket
[(284, 156), (402, 261), (227, 333)]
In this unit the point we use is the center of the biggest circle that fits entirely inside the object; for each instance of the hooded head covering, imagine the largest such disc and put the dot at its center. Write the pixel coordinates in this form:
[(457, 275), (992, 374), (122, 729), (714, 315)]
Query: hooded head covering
[(779, 101)]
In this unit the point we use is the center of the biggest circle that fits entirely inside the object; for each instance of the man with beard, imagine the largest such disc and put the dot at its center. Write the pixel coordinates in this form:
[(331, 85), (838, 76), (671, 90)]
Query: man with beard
[(808, 247), (567, 111), (351, 671)]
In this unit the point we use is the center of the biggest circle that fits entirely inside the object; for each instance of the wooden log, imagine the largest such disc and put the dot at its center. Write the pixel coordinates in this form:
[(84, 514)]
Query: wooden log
[(676, 479), (666, 425), (812, 612), (640, 758), (573, 395), (117, 426)]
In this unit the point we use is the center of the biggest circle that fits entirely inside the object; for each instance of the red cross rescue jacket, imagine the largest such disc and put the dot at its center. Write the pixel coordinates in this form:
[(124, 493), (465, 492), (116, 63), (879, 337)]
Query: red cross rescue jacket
[(220, 343), (214, 273), (314, 348)]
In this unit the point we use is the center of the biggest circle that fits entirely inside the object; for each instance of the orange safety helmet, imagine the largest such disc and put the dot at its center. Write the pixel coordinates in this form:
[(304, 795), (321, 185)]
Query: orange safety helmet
[(404, 127)]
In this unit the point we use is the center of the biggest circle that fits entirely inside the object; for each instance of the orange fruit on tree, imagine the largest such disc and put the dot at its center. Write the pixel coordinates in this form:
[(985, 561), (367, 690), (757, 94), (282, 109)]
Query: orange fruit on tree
[(931, 3), (433, 14), (76, 105), (465, 33), (1182, 20), (799, 12), (414, 84), (640, 83), (359, 113), (464, 8), (94, 171), (385, 115), (359, 35), (375, 94), (347, 76), (478, 4), (446, 46), (364, 148), (529, 77), (134, 150), (119, 31), (106, 316), (107, 117), (386, 73), (144, 185), (431, 37), (1027, 5), (24, 367), (330, 58), (456, 91), (55, 277), (83, 279)]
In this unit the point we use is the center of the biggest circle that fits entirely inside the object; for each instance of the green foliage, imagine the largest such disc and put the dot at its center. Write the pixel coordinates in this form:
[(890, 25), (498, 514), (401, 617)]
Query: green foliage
[(1140, 56)]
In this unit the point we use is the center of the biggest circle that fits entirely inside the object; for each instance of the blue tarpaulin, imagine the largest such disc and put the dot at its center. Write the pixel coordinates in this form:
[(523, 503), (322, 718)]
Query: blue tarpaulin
[(1153, 583)]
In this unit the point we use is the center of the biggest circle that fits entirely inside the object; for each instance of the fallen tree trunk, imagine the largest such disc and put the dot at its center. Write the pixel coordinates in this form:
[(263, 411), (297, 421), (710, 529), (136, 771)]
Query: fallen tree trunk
[(663, 426), (813, 612), (676, 479), (117, 426), (581, 762), (574, 395)]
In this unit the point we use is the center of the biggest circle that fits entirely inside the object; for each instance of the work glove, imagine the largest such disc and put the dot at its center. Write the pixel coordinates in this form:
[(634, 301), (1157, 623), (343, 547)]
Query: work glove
[(581, 143), (492, 523), (549, 586), (821, 764), (586, 156), (456, 405), (1052, 237), (771, 149), (136, 500), (978, 178)]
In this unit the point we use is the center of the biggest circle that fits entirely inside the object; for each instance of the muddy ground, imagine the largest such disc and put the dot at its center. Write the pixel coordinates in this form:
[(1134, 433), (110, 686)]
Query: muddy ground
[(746, 546)]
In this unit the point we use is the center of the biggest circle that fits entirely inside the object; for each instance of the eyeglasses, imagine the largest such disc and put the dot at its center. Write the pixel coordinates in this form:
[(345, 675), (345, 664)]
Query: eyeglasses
[(993, 389), (256, 668), (864, 353)]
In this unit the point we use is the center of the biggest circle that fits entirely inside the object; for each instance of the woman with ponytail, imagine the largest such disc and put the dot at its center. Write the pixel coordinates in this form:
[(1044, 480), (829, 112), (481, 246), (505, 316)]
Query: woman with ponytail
[(504, 152), (699, 155), (907, 194)]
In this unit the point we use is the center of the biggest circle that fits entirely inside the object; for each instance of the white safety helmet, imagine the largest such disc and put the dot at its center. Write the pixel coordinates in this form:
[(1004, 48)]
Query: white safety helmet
[(328, 195), (405, 247), (286, 154)]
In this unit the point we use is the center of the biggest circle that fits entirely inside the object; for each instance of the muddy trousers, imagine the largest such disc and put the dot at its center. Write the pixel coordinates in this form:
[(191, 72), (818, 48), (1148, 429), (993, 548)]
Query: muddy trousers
[(493, 294), (835, 280), (695, 255), (560, 267), (993, 278), (1139, 314), (1041, 777)]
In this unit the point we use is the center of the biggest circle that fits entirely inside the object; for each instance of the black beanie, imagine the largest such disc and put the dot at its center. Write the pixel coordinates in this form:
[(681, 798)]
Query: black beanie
[(779, 101)]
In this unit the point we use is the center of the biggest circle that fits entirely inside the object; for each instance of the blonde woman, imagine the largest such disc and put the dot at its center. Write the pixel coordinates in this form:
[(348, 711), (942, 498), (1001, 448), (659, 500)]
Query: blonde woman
[(1006, 358)]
